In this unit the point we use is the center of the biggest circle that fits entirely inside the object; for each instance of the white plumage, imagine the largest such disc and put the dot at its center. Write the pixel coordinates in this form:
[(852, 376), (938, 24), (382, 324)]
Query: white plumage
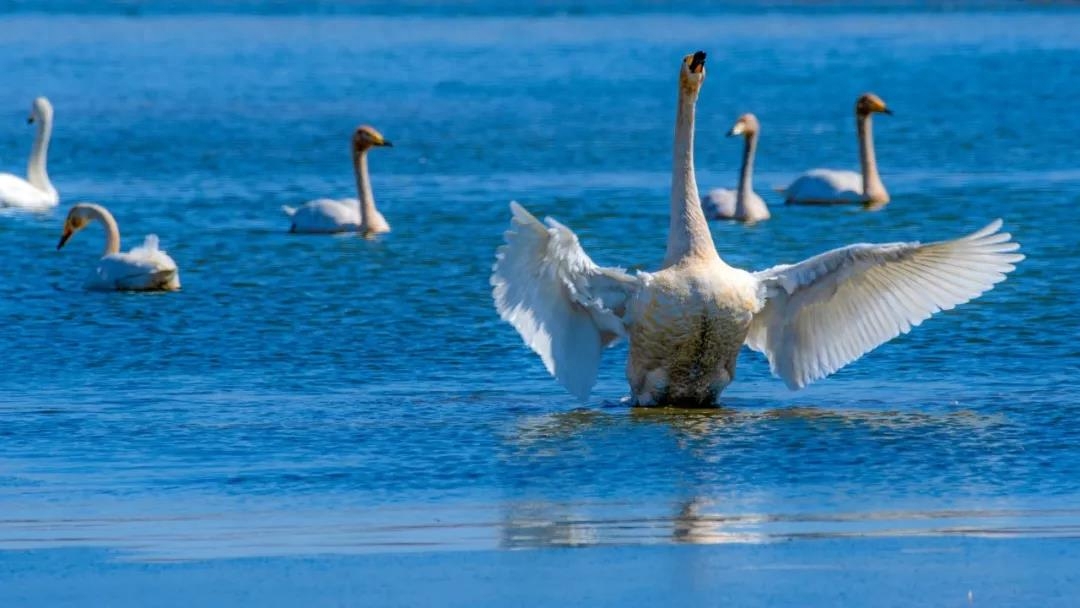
[(144, 268), (826, 186), (34, 192), (327, 215), (827, 311)]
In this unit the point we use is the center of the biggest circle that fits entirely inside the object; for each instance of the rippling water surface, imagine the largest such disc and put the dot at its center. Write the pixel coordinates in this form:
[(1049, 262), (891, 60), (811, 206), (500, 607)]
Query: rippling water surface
[(330, 394)]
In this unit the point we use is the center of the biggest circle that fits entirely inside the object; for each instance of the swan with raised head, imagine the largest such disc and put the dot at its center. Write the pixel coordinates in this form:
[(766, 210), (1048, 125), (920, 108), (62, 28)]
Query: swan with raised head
[(687, 321), (35, 192), (144, 268), (742, 204), (326, 215), (832, 187)]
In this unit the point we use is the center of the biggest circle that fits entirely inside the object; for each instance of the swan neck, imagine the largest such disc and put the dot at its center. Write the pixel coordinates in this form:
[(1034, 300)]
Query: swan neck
[(363, 186), (112, 231), (36, 173), (688, 232), (873, 189), (746, 177)]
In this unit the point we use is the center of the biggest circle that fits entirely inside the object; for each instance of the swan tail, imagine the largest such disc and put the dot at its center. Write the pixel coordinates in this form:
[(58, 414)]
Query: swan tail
[(289, 211), (564, 306)]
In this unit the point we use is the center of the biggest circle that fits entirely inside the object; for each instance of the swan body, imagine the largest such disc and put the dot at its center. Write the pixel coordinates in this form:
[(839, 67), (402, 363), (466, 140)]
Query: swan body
[(687, 321), (832, 187), (324, 215), (35, 192), (825, 187), (741, 204), (144, 268)]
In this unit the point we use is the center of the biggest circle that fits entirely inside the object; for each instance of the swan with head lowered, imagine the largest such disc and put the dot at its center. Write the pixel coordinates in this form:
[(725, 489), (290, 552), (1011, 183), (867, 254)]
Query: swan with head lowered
[(741, 204), (326, 215), (144, 268), (831, 187), (35, 192), (687, 321)]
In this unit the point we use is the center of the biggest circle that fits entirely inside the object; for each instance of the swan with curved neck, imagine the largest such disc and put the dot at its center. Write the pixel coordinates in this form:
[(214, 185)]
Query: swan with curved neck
[(687, 321), (346, 215), (742, 204), (35, 192), (827, 186), (144, 268)]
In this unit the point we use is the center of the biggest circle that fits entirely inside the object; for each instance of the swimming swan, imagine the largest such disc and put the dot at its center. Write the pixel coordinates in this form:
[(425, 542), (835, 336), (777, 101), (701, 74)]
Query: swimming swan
[(686, 322), (326, 215), (36, 192), (742, 204), (827, 186), (144, 268)]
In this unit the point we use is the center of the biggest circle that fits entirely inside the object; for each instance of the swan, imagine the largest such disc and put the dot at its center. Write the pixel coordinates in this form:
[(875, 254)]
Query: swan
[(326, 215), (828, 186), (144, 268), (742, 204), (687, 321), (36, 192)]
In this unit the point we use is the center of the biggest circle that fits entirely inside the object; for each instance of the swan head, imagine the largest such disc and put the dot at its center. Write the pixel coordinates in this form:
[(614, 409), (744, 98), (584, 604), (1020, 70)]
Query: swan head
[(77, 218), (746, 125), (41, 110), (365, 137), (868, 104), (693, 72)]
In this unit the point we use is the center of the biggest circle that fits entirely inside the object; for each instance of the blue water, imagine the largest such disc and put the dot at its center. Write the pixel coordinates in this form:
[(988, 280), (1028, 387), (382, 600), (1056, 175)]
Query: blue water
[(309, 395)]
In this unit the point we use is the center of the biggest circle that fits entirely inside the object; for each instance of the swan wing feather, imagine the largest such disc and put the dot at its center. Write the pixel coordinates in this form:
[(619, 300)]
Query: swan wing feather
[(827, 311), (564, 306)]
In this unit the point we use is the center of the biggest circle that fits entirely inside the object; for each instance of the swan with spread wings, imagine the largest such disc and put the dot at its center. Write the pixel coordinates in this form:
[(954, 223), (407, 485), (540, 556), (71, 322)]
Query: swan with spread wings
[(687, 321)]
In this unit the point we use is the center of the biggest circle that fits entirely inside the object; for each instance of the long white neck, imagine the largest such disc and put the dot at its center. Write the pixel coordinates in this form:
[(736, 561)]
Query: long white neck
[(746, 177), (35, 169), (112, 231), (873, 189), (363, 188), (688, 232)]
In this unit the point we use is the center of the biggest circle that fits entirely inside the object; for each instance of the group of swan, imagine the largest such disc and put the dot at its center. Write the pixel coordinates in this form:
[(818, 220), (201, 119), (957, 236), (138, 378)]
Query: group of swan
[(148, 268), (686, 322), (815, 187)]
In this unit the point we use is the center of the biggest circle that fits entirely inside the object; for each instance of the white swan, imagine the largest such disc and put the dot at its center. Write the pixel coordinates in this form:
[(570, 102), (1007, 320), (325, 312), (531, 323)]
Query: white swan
[(687, 322), (326, 215), (828, 186), (36, 192), (144, 268), (742, 204)]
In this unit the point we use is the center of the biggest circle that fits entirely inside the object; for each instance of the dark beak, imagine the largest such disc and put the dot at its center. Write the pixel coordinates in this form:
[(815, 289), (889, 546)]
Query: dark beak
[(732, 133), (388, 143), (697, 62), (63, 239), (887, 111), (30, 120)]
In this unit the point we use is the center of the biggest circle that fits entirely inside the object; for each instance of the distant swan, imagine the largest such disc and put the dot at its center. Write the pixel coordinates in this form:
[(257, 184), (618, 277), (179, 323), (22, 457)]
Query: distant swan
[(686, 322), (144, 268), (326, 215), (743, 203), (36, 192), (828, 186)]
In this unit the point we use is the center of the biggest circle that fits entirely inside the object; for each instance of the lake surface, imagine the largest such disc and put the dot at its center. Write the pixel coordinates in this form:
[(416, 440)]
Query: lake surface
[(315, 395)]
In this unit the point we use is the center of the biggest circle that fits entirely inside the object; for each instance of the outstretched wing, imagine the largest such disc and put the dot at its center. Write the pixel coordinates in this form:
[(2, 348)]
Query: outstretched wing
[(827, 311), (565, 307)]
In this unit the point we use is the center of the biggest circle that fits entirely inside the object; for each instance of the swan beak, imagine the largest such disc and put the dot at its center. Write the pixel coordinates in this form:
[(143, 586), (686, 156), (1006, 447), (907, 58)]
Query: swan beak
[(30, 119), (387, 143), (886, 111), (697, 64), (738, 129), (64, 238)]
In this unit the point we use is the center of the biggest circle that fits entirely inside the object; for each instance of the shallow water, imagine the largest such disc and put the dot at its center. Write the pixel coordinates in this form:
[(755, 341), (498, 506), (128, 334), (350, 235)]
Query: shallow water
[(333, 395)]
